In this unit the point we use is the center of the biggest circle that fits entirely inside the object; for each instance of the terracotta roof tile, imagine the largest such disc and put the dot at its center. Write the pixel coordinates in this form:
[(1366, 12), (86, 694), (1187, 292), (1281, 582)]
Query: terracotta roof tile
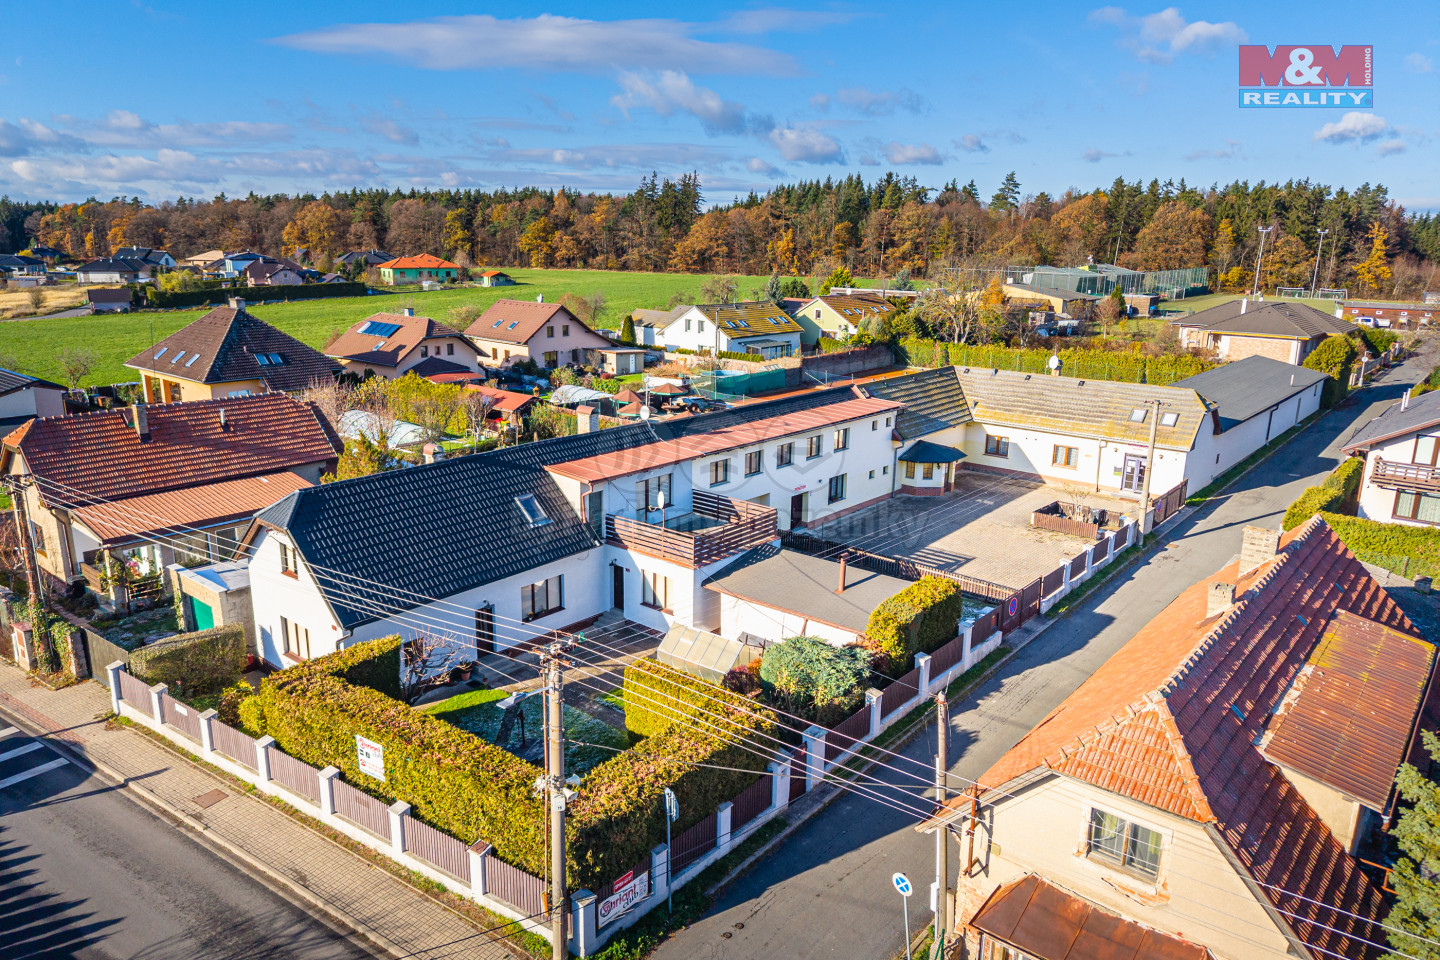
[(393, 346), (423, 261), (516, 321), (174, 511)]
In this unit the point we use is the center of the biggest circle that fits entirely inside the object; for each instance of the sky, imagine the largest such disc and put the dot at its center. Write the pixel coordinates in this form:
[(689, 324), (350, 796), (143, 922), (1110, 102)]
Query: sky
[(159, 99)]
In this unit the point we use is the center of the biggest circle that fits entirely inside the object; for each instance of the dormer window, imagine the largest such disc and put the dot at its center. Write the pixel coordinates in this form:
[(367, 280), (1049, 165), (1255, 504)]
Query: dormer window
[(534, 513)]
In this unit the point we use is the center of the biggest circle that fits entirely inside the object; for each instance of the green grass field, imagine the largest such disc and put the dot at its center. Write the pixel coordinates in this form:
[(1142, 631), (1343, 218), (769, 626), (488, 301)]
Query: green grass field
[(32, 345)]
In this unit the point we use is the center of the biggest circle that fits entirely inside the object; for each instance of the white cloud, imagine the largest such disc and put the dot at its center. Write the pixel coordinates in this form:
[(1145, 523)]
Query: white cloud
[(903, 154), (1094, 155), (806, 145), (880, 103), (167, 166), (1419, 63), (673, 92), (756, 165), (868, 160), (1390, 147), (1230, 151), (1160, 37), (390, 129), (639, 156), (820, 102), (546, 42), (1354, 126), (971, 143)]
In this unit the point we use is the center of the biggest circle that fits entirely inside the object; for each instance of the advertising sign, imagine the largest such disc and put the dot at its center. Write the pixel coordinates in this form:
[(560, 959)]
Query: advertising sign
[(371, 757), (1314, 75), (629, 890)]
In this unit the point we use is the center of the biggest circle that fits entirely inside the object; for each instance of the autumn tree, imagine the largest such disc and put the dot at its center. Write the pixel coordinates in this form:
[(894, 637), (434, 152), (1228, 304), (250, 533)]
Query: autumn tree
[(457, 239), (75, 365), (1175, 237), (839, 277), (719, 290), (538, 242), (318, 228), (1374, 271)]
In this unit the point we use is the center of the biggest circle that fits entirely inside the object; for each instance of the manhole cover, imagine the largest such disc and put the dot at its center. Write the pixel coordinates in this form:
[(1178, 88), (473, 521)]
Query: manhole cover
[(209, 798)]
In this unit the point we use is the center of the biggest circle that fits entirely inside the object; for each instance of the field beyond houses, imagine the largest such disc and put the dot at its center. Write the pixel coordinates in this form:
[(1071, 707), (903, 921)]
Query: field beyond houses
[(31, 346)]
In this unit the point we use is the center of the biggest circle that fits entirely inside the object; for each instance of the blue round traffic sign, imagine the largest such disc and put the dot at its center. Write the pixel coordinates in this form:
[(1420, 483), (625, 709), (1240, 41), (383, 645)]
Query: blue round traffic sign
[(1014, 607), (902, 883)]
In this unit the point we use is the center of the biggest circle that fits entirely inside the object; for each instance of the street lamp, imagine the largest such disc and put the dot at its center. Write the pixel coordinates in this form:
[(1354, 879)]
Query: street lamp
[(1255, 290), (1314, 280)]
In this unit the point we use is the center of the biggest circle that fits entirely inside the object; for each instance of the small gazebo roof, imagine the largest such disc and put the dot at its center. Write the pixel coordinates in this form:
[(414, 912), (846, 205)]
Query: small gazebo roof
[(923, 451)]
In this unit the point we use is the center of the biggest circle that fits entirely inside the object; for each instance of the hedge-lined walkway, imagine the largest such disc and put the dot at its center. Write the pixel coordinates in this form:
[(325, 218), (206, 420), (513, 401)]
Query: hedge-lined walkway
[(396, 914)]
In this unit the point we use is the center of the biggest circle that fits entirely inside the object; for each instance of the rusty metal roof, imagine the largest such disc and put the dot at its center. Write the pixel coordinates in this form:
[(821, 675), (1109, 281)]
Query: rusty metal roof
[(1348, 717), (1051, 924), (177, 511)]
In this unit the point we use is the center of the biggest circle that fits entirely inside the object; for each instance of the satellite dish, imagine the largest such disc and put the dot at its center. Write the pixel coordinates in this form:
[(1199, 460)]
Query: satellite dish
[(644, 413)]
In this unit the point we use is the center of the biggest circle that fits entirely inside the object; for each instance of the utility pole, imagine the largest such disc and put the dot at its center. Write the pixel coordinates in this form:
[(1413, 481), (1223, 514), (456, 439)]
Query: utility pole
[(1149, 467), (556, 792), (944, 908), (1315, 280), (18, 485), (1255, 289)]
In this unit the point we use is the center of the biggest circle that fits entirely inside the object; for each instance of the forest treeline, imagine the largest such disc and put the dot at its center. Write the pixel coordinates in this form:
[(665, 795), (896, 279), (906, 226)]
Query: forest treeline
[(884, 228)]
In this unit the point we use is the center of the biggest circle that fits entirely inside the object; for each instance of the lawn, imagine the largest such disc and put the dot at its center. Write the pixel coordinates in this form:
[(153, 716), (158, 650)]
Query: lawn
[(31, 345), (477, 712)]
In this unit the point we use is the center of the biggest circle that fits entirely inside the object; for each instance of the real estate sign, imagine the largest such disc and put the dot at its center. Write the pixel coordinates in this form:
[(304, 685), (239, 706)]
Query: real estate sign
[(629, 890), (371, 757)]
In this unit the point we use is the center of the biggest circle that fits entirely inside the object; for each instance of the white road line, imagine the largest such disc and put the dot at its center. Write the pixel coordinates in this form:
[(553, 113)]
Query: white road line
[(6, 731), (33, 772), (20, 752)]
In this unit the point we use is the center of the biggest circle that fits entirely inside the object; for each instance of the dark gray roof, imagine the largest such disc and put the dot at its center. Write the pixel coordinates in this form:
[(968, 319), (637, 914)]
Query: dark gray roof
[(1421, 413), (1292, 320), (115, 265), (923, 451), (933, 401), (801, 584), (10, 381), (1243, 388)]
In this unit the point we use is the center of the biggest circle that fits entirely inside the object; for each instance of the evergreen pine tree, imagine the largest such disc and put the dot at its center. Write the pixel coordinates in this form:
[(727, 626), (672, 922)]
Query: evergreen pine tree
[(627, 331), (1416, 877)]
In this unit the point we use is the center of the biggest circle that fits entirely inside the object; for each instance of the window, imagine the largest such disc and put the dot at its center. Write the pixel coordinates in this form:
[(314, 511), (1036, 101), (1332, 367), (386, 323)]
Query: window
[(719, 472), (37, 537), (595, 512), (287, 560), (496, 324), (784, 454), (887, 421), (543, 598), (1138, 415), (872, 474), (1169, 419), (842, 438), (550, 331), (874, 425), (449, 349), (655, 591), (997, 446), (909, 471), (534, 513), (1423, 507), (552, 359), (565, 330), (296, 639), (648, 493), (752, 463), (193, 358), (995, 950), (927, 471), (687, 324), (1126, 845), (701, 328), (507, 354), (1425, 450), (1065, 456), (837, 488), (424, 351), (884, 471), (812, 447)]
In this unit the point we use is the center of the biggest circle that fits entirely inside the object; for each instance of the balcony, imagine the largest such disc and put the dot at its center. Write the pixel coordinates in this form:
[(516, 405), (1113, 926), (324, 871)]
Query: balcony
[(717, 528), (1411, 476)]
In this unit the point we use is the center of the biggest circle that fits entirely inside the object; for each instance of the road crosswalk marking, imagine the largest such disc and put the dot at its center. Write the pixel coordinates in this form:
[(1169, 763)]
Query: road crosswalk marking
[(21, 751), (32, 772)]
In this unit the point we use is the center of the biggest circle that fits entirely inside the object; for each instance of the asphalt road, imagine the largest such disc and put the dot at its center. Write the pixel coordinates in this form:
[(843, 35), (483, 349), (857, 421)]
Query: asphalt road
[(88, 873), (826, 892)]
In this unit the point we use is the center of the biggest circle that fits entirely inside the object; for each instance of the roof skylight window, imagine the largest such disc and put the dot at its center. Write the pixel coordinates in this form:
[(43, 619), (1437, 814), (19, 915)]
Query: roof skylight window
[(530, 507), (161, 352), (1138, 415), (1169, 419)]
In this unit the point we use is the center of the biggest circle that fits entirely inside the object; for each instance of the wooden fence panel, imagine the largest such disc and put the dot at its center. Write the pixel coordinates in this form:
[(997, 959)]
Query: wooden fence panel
[(523, 891), (101, 653), (295, 775), (1077, 566), (900, 692), (134, 692), (182, 718), (440, 850), (750, 803), (948, 655), (1052, 581), (847, 734), (692, 845), (233, 743), (361, 809), (984, 625)]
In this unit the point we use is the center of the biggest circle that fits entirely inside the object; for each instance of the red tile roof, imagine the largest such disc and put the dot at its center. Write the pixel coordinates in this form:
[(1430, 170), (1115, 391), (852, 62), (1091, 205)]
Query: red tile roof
[(1173, 719), (593, 469), (503, 401), (173, 511), (356, 345), (516, 321), (422, 262), (102, 456)]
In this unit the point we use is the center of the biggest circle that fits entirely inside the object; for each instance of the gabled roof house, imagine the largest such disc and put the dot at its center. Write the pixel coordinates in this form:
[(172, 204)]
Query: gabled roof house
[(393, 344), (510, 331), (1282, 331), (1401, 447), (753, 327)]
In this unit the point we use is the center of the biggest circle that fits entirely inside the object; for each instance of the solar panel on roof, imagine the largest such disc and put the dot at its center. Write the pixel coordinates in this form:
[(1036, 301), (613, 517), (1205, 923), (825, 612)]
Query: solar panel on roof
[(376, 329)]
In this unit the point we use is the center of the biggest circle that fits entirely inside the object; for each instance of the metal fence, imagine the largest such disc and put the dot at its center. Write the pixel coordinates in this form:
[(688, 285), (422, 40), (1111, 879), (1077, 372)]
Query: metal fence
[(1170, 502), (1100, 550), (295, 775), (846, 734), (900, 692), (692, 845), (134, 692), (101, 653), (1077, 566), (440, 850), (233, 743), (523, 891), (361, 809), (751, 802), (948, 655), (798, 773), (182, 718)]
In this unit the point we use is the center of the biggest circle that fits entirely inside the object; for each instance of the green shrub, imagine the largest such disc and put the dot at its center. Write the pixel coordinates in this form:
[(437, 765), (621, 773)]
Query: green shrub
[(1337, 493), (193, 663), (831, 345), (1378, 340), (251, 713), (651, 686), (1087, 363), (918, 619), (1334, 357), (810, 678), (734, 355), (1409, 551), (231, 699), (1431, 382)]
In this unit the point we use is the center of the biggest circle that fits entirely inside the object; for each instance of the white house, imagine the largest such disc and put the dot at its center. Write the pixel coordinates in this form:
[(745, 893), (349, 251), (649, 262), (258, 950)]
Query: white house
[(1401, 482), (757, 327), (23, 397), (114, 270)]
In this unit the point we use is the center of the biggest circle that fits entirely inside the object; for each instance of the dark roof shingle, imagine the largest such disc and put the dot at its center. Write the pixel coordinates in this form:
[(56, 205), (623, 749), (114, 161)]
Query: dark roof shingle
[(1243, 388), (933, 401), (1289, 320), (226, 341), (1396, 420)]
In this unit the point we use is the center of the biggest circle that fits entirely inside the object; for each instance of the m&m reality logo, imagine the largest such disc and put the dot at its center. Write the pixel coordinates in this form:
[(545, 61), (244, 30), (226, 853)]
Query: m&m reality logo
[(1314, 75)]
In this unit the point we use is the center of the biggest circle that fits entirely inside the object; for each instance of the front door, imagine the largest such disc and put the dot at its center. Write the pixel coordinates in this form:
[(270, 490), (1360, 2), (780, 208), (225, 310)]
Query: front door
[(1133, 476), (619, 579), (485, 630), (797, 511)]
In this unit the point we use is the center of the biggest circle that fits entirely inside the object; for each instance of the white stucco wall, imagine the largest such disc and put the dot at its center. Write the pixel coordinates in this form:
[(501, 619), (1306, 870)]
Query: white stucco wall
[(1378, 503), (33, 402), (297, 599), (1243, 439), (1101, 461), (739, 616)]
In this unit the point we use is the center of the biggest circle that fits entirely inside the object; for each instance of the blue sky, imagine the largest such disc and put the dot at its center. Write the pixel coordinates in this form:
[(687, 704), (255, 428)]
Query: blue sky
[(158, 98)]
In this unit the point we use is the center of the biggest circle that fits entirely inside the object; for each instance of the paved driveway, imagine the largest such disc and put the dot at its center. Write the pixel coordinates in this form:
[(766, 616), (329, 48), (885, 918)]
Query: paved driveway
[(826, 892)]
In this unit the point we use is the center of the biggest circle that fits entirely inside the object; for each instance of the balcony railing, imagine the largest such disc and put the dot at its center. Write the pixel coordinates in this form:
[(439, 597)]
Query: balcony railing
[(742, 525), (1388, 473)]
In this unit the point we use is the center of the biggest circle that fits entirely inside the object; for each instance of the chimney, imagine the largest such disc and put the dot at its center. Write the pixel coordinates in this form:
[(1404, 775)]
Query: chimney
[(1220, 598), (408, 311), (224, 424), (587, 420), (431, 452), (1258, 546), (843, 558), (142, 421), (539, 298), (1292, 379), (1405, 401), (1244, 302), (237, 303)]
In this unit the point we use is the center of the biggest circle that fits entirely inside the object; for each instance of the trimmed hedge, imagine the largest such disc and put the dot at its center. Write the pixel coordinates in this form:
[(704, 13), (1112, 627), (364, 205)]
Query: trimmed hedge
[(736, 355), (1336, 493), (1411, 552), (1335, 356), (650, 680), (1378, 340), (308, 291), (1085, 362), (196, 663), (921, 618)]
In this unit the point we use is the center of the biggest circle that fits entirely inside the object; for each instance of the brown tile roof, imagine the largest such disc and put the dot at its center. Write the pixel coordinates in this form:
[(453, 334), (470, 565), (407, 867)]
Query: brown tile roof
[(1294, 321), (424, 261), (173, 511), (752, 318), (504, 401), (1173, 719), (622, 462), (1348, 719), (516, 321), (102, 456), (387, 349), (1085, 408), (1045, 921), (222, 347)]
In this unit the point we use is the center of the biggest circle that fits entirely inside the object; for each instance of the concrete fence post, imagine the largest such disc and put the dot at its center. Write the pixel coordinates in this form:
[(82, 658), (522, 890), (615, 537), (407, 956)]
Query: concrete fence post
[(968, 648), (922, 661), (722, 826), (262, 758), (399, 811), (207, 733), (327, 790), (114, 669), (873, 699), (814, 756), (583, 922), (779, 770), (157, 706), (660, 871), (478, 853)]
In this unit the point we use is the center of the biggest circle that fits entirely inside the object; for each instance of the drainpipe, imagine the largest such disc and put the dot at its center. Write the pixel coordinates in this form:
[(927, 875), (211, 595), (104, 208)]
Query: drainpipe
[(1099, 459)]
